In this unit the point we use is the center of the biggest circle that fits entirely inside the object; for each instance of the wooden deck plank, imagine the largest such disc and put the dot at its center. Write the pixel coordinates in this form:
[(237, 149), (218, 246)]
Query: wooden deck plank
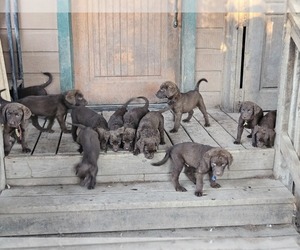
[(178, 137), (230, 125), (222, 137)]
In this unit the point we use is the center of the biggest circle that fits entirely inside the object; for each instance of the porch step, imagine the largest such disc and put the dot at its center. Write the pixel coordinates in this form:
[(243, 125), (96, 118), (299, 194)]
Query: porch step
[(64, 209), (123, 167)]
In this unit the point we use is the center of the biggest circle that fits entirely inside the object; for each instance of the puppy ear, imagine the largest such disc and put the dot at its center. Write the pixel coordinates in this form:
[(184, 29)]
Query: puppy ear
[(256, 109), (271, 137), (70, 96), (207, 156), (229, 157), (3, 116), (26, 112)]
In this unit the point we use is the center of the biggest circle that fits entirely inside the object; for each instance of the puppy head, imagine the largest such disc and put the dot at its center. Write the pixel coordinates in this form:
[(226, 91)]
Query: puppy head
[(248, 110), (148, 146), (218, 159), (75, 98), (167, 90), (14, 114), (115, 138), (264, 136), (128, 138)]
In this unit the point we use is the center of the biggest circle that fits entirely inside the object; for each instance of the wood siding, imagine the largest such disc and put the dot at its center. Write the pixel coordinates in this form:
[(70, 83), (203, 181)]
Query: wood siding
[(39, 42), (209, 55)]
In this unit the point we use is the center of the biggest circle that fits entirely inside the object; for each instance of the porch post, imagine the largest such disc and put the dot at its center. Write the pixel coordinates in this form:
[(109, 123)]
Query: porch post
[(188, 48), (64, 26)]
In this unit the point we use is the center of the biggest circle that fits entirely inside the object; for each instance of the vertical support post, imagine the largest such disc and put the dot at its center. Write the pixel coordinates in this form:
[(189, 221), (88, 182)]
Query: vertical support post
[(64, 25), (2, 167), (188, 48)]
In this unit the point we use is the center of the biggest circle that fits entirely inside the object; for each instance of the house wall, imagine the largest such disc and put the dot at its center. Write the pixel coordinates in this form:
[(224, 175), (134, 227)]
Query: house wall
[(210, 39), (39, 41)]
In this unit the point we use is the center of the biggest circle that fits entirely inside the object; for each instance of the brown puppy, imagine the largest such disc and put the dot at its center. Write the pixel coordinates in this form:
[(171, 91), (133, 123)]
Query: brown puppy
[(15, 119), (87, 169), (198, 160), (251, 114), (131, 121), (115, 125), (150, 134), (53, 106), (34, 90), (183, 102), (264, 133), (90, 118)]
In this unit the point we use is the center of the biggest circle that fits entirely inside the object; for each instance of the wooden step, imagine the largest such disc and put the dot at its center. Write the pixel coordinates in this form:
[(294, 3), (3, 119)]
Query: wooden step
[(142, 206)]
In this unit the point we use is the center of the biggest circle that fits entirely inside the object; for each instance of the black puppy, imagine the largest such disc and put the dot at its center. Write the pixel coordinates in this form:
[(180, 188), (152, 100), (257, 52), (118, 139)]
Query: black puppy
[(87, 169)]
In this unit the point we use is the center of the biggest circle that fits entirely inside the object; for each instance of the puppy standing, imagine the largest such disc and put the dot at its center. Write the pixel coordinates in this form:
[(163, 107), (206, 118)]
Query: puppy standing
[(34, 90), (150, 134), (264, 133), (198, 160), (183, 102), (87, 169), (251, 114), (115, 125), (53, 106), (131, 121), (90, 118), (15, 119)]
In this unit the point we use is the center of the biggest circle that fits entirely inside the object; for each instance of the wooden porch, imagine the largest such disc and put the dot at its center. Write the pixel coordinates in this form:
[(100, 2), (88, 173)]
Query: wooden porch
[(44, 196)]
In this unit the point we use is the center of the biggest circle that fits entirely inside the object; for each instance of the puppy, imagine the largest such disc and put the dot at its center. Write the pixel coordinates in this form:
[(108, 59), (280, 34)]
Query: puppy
[(34, 90), (115, 125), (90, 118), (53, 106), (183, 102), (87, 169), (264, 133), (15, 119), (149, 134), (251, 114), (198, 160), (131, 121)]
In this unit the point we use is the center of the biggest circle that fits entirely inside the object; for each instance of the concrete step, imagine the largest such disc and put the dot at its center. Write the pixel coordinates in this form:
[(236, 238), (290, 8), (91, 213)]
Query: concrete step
[(123, 167), (62, 209)]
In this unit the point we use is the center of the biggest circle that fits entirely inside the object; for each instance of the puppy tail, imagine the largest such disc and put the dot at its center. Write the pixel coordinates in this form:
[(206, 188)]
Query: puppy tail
[(164, 160), (146, 101), (198, 83), (50, 78)]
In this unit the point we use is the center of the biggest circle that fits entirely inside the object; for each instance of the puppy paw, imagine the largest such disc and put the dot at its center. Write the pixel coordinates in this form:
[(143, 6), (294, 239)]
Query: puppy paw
[(249, 136), (186, 120), (215, 185), (173, 130), (207, 125), (180, 189), (237, 142), (198, 193), (26, 150), (254, 145), (162, 143)]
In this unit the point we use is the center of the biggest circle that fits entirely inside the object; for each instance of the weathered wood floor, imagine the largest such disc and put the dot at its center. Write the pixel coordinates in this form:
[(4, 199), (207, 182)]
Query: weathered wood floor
[(54, 154)]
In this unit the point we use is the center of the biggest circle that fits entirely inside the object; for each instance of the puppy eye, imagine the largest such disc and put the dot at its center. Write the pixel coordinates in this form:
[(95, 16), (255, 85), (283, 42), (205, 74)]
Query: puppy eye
[(213, 164)]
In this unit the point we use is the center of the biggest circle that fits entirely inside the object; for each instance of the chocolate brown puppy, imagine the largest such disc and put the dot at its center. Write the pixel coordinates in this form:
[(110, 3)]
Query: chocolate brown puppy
[(264, 133), (150, 134), (15, 118), (34, 90), (250, 115), (89, 118), (53, 106), (87, 169), (181, 103), (198, 160), (131, 121)]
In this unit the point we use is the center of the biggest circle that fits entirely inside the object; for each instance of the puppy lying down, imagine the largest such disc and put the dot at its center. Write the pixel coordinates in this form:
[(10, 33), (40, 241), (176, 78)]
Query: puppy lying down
[(198, 160)]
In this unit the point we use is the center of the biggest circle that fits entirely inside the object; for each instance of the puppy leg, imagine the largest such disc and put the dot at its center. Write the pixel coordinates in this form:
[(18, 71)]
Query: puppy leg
[(60, 119), (202, 108), (92, 182), (199, 184), (176, 123), (178, 165), (190, 115), (212, 181), (7, 144), (190, 173), (25, 148), (239, 134), (50, 125), (36, 124)]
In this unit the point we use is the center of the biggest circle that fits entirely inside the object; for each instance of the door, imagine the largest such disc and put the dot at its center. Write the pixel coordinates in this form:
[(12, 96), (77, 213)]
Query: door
[(121, 54), (253, 59)]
